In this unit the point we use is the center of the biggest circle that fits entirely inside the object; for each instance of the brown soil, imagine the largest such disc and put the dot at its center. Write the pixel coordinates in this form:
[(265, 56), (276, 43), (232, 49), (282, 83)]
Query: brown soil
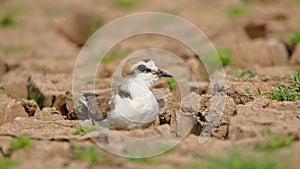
[(38, 53)]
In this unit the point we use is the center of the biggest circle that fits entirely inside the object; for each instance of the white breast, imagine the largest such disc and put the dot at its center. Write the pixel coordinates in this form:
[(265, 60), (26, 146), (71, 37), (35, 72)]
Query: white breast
[(137, 111)]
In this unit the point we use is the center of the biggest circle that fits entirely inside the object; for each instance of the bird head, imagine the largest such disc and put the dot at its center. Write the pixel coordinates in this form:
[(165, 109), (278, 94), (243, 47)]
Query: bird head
[(148, 71)]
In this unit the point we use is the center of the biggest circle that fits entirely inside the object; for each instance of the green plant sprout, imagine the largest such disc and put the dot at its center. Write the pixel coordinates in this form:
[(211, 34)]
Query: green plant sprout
[(35, 97), (93, 27), (170, 11), (8, 16), (171, 83), (295, 78), (237, 10), (266, 132), (126, 4), (114, 55), (20, 142), (275, 142), (7, 163), (81, 130), (79, 106), (90, 81), (90, 154), (109, 57), (241, 73), (213, 59), (238, 158), (296, 2), (248, 90), (284, 93), (290, 92), (12, 49), (225, 56), (3, 90), (149, 161), (294, 38)]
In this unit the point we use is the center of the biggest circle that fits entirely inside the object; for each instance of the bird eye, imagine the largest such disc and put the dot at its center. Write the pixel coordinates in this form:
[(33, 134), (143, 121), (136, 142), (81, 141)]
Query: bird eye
[(141, 68)]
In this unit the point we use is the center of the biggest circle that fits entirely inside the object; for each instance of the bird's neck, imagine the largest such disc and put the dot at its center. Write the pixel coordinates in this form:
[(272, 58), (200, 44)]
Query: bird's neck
[(140, 87)]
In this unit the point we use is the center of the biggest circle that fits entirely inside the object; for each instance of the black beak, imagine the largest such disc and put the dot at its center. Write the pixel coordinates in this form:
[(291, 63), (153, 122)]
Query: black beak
[(161, 73)]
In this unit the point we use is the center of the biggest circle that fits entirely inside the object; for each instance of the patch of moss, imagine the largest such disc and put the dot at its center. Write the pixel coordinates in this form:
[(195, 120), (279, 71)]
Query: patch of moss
[(8, 15), (93, 27), (290, 92), (12, 49), (126, 4), (216, 60), (20, 142), (275, 142), (81, 130), (7, 163), (240, 159), (90, 154), (237, 10)]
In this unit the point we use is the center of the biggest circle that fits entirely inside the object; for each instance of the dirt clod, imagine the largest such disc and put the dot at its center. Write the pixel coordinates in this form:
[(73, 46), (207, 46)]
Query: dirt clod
[(295, 59), (49, 114), (205, 118), (259, 52), (10, 109), (256, 30), (78, 26), (30, 106), (49, 91), (261, 114), (168, 105)]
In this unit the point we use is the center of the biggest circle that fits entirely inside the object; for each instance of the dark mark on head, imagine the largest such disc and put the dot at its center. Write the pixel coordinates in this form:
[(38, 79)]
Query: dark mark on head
[(147, 60), (143, 68)]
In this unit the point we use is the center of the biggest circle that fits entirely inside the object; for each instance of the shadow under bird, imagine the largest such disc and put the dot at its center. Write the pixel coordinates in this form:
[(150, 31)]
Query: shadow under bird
[(132, 104)]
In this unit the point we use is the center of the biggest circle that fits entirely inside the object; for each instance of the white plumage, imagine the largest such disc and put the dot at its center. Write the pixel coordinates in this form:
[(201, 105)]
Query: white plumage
[(132, 104)]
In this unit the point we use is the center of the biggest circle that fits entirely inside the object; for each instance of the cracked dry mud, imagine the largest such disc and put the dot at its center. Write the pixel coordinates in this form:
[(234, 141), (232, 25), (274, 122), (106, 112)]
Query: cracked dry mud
[(38, 54)]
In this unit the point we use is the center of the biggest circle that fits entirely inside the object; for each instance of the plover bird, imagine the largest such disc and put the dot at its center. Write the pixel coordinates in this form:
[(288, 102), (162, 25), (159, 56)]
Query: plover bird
[(132, 104)]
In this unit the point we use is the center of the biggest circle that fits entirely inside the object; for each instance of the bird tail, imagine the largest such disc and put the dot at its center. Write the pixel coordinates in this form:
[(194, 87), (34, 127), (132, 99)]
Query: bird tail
[(87, 97), (90, 101), (84, 102), (83, 107)]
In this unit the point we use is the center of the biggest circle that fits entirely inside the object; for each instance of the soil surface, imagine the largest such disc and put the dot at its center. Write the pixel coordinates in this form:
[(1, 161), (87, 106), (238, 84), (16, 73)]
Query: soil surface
[(40, 41)]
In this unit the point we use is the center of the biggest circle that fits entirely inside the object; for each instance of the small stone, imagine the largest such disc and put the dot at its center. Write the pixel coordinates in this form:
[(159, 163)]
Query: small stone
[(10, 109), (185, 118), (199, 88), (205, 115), (48, 114), (190, 103), (30, 106)]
